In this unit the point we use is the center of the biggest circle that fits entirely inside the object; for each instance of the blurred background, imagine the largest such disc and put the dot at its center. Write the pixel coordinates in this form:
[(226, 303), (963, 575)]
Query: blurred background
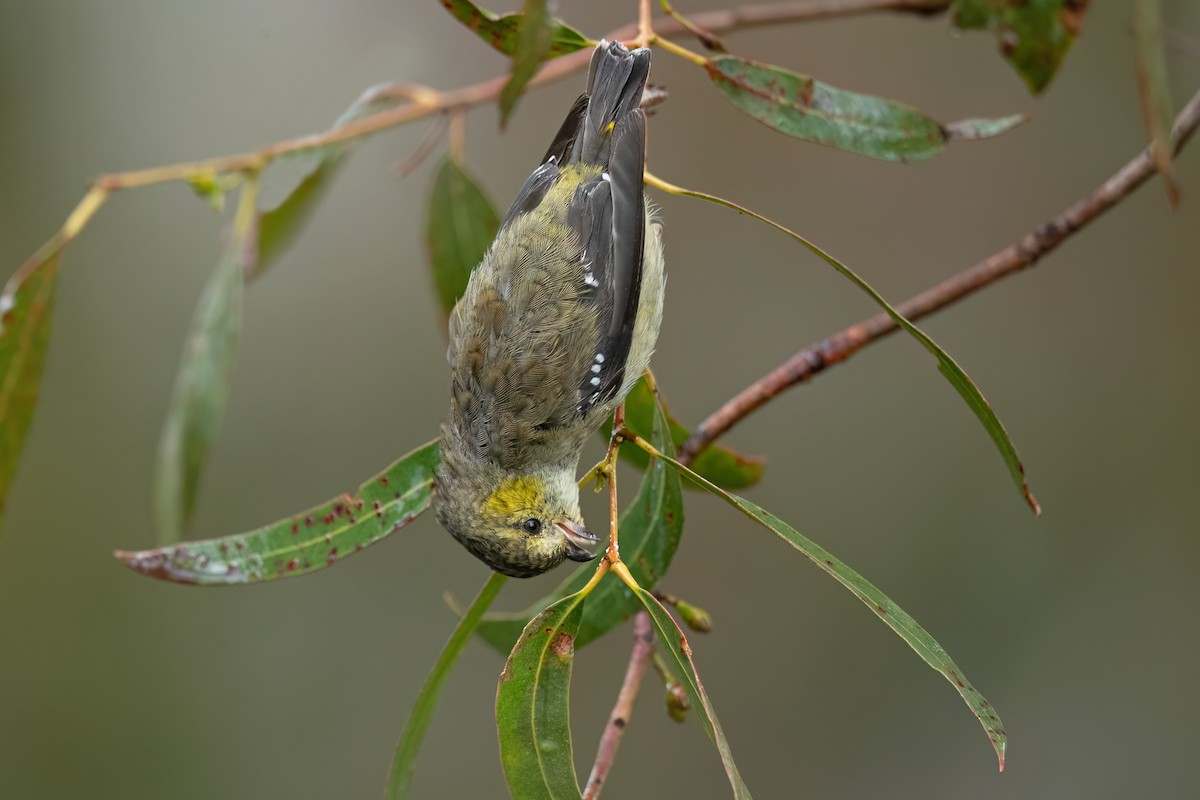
[(1074, 625)]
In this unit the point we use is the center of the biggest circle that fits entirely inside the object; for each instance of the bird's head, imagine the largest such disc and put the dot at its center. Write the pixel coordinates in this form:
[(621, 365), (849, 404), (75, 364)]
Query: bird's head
[(520, 524)]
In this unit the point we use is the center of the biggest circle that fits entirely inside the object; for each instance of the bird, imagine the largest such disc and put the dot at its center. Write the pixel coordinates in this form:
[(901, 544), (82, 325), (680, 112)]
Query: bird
[(556, 325)]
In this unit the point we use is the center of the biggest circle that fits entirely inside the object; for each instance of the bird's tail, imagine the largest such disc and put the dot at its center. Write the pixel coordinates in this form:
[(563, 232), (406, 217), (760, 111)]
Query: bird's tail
[(616, 79)]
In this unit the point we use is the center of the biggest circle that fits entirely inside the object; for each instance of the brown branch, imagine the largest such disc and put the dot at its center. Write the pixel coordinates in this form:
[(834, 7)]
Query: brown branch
[(423, 101), (1016, 257), (639, 658)]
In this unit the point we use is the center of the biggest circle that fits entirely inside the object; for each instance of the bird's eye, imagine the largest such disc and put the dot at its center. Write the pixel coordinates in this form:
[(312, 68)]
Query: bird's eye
[(532, 526)]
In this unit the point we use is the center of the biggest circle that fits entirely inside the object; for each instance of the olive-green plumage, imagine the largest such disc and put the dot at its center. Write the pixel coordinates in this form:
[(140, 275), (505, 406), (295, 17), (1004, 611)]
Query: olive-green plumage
[(556, 325)]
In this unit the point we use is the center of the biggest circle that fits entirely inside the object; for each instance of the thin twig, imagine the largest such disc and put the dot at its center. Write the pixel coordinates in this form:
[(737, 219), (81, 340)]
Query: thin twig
[(1020, 255), (639, 659), (423, 101)]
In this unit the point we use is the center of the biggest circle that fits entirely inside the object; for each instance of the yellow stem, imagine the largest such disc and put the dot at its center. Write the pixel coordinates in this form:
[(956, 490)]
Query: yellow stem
[(247, 209), (679, 50), (83, 212), (601, 568), (621, 571)]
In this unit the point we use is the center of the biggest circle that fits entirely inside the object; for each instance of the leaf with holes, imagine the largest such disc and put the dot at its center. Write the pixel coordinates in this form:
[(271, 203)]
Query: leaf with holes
[(1034, 35), (26, 311), (501, 30), (857, 123), (305, 542), (198, 400), (533, 706), (675, 644), (880, 604), (650, 530), (460, 225)]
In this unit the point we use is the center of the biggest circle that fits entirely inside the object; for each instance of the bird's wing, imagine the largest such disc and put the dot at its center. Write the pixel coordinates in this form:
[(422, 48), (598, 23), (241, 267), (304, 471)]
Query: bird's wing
[(608, 214)]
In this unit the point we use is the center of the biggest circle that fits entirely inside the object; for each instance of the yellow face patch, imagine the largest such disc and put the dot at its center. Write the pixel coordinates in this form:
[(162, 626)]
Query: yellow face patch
[(514, 496)]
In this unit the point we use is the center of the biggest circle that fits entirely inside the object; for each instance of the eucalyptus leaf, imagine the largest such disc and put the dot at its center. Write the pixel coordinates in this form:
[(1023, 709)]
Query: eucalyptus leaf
[(1034, 35), (650, 530), (724, 467), (305, 542), (950, 369), (198, 400), (533, 706), (26, 311), (675, 645), (404, 761), (534, 38), (880, 604), (501, 30), (808, 109), (460, 225), (279, 226), (1154, 88)]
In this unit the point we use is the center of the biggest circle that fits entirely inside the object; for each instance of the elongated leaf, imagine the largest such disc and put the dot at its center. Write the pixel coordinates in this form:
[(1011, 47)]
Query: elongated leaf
[(501, 31), (279, 226), (1034, 35), (26, 309), (650, 530), (534, 37), (1155, 89), (198, 401), (306, 542), (880, 604), (533, 707), (953, 373), (459, 229), (404, 761), (726, 468), (858, 123), (675, 644)]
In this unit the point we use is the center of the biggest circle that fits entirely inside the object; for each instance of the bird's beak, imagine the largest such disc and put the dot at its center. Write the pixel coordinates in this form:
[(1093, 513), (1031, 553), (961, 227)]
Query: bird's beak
[(582, 544)]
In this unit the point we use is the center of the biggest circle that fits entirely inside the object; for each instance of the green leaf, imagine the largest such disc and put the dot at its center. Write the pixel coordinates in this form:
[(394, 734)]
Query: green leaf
[(1034, 35), (675, 644), (534, 37), (403, 762), (1155, 89), (953, 373), (533, 708), (305, 542), (892, 615), (817, 112), (501, 31), (279, 226), (26, 309), (724, 467), (650, 530), (460, 225), (198, 400)]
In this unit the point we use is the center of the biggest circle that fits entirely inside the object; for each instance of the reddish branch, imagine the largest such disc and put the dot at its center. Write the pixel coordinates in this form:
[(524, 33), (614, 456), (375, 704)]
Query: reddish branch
[(639, 659), (1018, 256)]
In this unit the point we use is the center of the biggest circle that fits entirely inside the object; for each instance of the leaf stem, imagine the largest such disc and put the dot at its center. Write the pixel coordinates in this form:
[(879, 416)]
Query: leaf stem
[(1022, 254), (409, 746), (707, 39), (679, 50), (610, 740)]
